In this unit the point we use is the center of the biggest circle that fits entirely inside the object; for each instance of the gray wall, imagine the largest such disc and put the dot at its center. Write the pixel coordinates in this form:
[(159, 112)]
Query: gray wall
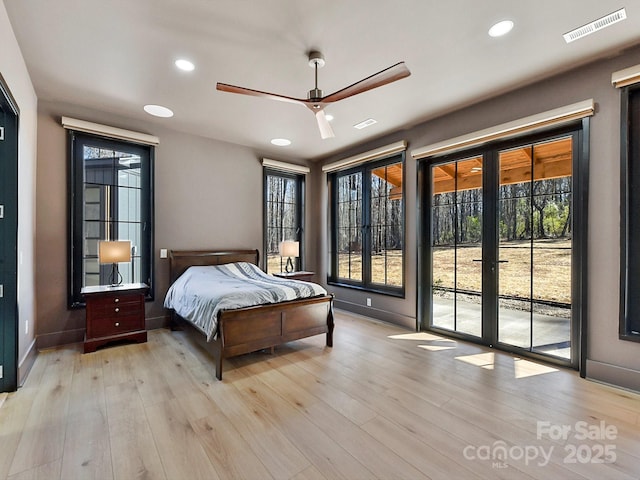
[(15, 74), (610, 359)]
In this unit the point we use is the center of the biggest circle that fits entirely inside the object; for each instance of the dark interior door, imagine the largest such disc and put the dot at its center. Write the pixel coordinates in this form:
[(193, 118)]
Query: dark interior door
[(8, 242)]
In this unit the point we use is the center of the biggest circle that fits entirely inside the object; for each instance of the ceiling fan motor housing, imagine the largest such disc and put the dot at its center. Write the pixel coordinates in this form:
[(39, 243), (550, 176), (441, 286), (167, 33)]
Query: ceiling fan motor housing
[(315, 95)]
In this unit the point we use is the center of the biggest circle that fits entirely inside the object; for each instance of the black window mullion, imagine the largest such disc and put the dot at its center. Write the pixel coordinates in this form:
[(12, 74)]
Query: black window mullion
[(366, 227)]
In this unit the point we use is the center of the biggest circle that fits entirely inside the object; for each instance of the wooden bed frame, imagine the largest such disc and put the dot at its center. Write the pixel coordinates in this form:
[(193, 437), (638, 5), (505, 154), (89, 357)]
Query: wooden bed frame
[(250, 329)]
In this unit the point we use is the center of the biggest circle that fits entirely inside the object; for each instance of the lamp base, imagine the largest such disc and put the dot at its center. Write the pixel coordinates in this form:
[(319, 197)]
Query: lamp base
[(289, 266), (115, 278)]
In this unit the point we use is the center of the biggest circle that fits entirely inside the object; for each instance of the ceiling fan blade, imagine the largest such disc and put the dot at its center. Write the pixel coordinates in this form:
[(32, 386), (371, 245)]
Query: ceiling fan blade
[(224, 87), (388, 75), (323, 124)]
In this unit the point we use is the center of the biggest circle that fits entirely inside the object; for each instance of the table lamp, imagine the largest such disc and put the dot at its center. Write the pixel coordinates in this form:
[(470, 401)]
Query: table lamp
[(114, 252), (289, 248)]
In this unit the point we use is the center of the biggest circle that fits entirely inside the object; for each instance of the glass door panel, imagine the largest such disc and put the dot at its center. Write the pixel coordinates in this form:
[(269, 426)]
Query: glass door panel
[(444, 260), (552, 246), (534, 248), (514, 247), (457, 210)]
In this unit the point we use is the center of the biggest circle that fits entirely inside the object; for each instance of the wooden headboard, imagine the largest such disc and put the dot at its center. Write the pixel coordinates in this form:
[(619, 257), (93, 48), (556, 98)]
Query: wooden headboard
[(180, 260)]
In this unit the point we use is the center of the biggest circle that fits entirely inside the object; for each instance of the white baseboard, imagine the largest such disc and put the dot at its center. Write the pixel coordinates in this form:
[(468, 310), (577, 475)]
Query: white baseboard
[(26, 362)]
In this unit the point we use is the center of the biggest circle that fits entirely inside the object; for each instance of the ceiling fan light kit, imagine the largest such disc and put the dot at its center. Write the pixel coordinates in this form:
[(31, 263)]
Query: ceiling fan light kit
[(315, 101)]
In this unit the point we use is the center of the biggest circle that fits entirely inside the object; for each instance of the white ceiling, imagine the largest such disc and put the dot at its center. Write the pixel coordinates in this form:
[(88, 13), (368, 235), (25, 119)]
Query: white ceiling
[(118, 55)]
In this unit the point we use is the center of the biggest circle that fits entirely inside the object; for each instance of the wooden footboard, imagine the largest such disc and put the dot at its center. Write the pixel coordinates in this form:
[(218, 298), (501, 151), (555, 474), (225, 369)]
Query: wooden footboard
[(255, 328)]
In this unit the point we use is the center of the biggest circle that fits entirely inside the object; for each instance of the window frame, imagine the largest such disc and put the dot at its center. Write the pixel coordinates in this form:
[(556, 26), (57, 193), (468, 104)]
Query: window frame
[(629, 322), (76, 141), (366, 284), (299, 178)]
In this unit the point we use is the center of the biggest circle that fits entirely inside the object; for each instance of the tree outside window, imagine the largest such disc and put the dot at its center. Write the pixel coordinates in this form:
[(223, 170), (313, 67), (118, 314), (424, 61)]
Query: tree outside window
[(368, 226), (283, 216)]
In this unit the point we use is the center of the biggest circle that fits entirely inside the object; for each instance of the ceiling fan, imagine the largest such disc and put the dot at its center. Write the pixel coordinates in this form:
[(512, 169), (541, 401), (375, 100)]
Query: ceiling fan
[(315, 101)]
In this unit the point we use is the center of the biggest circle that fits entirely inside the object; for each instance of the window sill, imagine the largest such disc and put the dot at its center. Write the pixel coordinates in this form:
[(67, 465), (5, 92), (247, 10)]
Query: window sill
[(397, 292), (630, 337)]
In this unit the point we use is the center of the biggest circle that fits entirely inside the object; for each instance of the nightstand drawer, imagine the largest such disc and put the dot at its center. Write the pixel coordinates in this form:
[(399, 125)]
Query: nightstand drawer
[(107, 309), (115, 325), (115, 299)]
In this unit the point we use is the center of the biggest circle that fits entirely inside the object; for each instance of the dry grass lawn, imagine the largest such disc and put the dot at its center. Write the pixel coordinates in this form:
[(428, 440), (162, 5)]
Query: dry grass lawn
[(551, 269), (391, 259)]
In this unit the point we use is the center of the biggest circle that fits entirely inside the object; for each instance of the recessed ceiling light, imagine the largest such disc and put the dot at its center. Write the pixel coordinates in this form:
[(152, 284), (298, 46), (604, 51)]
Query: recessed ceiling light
[(185, 65), (158, 111), (329, 117), (281, 142), (501, 28), (364, 124)]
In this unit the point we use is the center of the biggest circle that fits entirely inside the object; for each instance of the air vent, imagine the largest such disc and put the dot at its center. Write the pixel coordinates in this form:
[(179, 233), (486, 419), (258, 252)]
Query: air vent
[(596, 25), (364, 124)]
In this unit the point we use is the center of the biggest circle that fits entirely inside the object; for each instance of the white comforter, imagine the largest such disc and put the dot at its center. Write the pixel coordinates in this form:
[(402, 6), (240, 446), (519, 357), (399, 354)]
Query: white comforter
[(201, 292)]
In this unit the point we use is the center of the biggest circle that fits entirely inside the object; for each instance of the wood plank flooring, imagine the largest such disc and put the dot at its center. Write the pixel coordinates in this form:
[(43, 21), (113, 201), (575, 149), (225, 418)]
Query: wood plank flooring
[(384, 403)]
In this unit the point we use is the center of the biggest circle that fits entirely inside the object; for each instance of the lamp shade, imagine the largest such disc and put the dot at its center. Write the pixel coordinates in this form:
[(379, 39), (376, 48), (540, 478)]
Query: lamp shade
[(114, 252), (289, 248)]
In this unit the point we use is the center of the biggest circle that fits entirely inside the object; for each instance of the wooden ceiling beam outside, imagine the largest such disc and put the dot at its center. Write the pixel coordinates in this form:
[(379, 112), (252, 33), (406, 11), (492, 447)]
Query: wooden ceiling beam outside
[(551, 160), (391, 174)]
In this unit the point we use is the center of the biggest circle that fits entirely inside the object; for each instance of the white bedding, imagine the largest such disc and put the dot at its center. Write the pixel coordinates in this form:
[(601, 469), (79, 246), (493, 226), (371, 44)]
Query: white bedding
[(203, 291)]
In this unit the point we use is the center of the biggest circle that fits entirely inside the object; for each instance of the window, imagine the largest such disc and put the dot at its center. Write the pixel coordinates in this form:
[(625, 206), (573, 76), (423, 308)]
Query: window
[(283, 216), (111, 199), (368, 226), (630, 215)]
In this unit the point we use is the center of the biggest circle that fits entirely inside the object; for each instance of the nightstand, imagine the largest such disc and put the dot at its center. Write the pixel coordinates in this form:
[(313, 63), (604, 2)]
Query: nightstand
[(304, 276), (114, 313)]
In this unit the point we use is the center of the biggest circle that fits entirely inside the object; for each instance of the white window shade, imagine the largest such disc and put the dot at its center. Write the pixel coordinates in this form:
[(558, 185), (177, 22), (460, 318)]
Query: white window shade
[(628, 76), (107, 131), (529, 124), (284, 166), (376, 154)]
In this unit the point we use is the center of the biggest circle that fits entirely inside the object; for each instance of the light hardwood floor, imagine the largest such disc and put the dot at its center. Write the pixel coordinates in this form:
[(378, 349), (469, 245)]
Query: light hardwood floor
[(383, 403)]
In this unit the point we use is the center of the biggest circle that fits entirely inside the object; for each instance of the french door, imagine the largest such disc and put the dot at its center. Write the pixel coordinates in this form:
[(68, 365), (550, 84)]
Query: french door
[(504, 265)]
